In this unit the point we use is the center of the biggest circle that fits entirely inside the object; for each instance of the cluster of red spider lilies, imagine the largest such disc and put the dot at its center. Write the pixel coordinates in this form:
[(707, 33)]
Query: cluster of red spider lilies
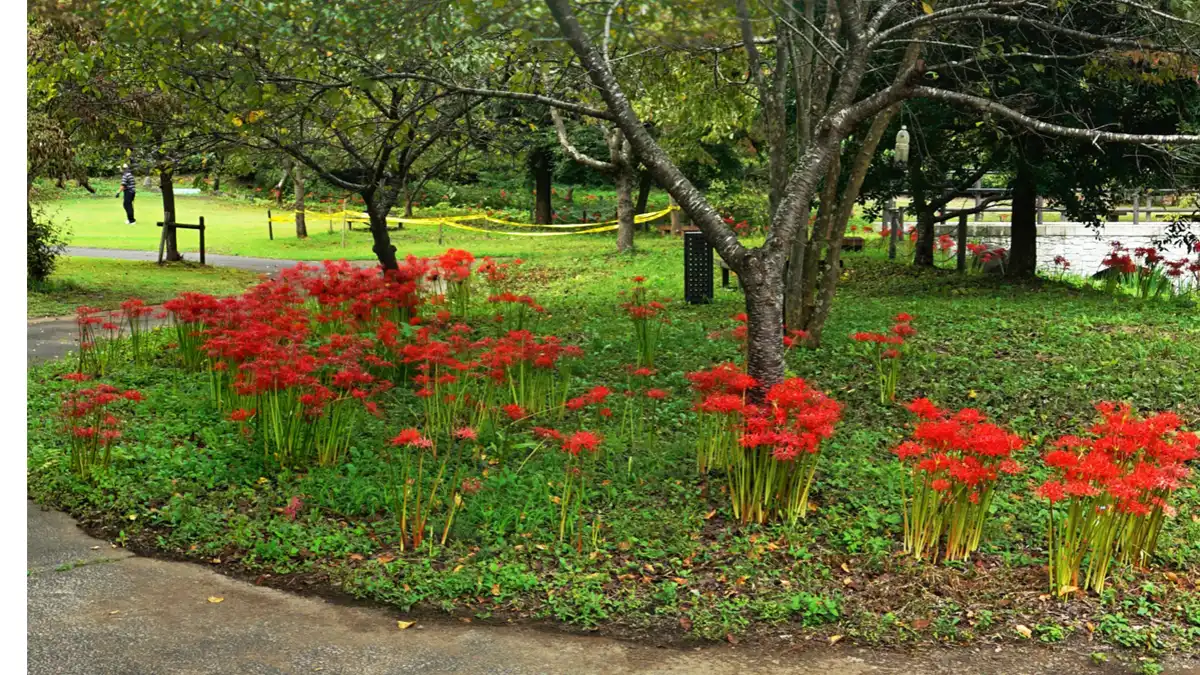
[(301, 362), (1109, 491)]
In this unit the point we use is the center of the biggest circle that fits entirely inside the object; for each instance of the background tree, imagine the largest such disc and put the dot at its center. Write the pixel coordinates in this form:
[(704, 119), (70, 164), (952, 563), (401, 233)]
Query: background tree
[(856, 39)]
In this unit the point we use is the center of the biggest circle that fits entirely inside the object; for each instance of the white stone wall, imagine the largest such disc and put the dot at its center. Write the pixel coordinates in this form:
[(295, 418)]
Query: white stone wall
[(1076, 242)]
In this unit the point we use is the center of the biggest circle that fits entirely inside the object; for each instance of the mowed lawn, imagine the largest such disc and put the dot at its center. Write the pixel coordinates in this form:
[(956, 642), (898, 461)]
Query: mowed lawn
[(106, 283), (240, 228)]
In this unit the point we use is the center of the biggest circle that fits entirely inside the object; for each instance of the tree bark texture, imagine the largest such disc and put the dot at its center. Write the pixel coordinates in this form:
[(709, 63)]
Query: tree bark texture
[(645, 182), (1022, 252), (540, 162), (624, 179), (298, 181), (166, 183), (378, 208), (764, 320), (805, 256)]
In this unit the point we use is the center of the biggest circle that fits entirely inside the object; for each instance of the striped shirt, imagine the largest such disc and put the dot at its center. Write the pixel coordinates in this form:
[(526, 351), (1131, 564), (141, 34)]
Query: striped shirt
[(128, 182)]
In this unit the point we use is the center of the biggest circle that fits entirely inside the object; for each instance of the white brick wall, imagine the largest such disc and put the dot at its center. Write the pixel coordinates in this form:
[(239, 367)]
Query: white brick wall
[(1074, 241)]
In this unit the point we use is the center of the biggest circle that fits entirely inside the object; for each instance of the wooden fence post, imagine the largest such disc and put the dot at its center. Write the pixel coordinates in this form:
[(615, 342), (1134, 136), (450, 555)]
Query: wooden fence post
[(962, 243), (1041, 204), (201, 240), (162, 238), (1135, 209), (270, 226), (889, 219)]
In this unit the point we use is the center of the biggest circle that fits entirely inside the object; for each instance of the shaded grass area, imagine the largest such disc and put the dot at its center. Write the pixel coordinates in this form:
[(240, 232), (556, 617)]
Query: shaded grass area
[(668, 560), (106, 283)]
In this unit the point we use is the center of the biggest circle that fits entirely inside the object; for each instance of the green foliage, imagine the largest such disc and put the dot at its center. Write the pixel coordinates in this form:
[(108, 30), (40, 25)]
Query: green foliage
[(45, 242)]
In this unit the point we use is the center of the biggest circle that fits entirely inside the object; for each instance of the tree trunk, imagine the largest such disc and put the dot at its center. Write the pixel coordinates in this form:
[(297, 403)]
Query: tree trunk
[(377, 211), (217, 183), (298, 182), (676, 219), (279, 187), (624, 182), (807, 250), (762, 280), (570, 196), (926, 235), (923, 257), (645, 182), (166, 183), (542, 179), (1022, 252)]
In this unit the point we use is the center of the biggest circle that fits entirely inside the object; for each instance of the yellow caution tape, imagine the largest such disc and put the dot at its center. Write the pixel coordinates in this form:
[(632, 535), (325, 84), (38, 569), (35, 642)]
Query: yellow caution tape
[(460, 226), (456, 222)]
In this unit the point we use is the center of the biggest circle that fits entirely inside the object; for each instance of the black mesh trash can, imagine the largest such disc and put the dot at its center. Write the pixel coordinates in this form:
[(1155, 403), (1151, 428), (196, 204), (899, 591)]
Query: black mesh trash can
[(697, 269)]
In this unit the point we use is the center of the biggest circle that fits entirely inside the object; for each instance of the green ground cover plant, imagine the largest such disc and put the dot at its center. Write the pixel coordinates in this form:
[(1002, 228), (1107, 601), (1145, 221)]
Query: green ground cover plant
[(588, 524)]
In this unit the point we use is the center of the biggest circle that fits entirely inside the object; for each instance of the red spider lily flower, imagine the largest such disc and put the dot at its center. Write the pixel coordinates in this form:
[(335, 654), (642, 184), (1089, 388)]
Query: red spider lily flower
[(77, 377), (889, 354), (581, 440), (639, 280), (903, 317), (466, 434), (925, 409), (794, 336), (656, 394), (241, 415), (514, 411), (547, 433), (410, 437), (605, 412), (470, 486), (904, 330)]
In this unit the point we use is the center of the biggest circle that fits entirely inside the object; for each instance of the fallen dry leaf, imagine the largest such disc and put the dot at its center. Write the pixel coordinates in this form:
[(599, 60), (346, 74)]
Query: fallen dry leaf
[(385, 559), (834, 639), (920, 624), (1067, 589), (685, 623), (405, 625), (495, 589), (845, 568), (214, 599), (731, 639), (356, 556), (710, 514), (1024, 630)]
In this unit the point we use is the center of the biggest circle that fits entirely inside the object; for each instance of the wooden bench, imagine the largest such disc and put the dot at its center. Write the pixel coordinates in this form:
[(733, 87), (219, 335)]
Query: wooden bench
[(665, 228)]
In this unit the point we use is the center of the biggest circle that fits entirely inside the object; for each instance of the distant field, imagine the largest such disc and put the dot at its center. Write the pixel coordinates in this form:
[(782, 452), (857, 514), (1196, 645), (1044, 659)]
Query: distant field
[(239, 228)]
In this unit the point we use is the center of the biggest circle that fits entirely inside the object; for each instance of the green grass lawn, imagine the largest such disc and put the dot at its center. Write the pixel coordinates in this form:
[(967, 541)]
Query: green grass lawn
[(106, 283), (668, 560), (238, 227)]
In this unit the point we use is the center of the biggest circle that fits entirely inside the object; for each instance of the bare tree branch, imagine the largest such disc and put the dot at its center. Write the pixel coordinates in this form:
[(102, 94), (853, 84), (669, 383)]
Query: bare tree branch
[(1093, 135)]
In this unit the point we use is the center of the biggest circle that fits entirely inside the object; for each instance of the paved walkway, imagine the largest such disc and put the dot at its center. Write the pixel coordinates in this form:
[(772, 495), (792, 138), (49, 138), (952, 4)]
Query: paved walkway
[(55, 337), (261, 265), (94, 608)]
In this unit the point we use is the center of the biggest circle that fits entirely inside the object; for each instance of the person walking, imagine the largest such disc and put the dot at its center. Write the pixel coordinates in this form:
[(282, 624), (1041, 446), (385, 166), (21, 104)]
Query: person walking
[(129, 189)]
